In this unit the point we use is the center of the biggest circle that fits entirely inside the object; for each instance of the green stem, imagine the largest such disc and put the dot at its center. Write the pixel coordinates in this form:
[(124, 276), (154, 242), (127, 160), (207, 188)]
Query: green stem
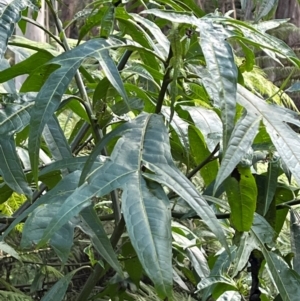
[(204, 162), (44, 29)]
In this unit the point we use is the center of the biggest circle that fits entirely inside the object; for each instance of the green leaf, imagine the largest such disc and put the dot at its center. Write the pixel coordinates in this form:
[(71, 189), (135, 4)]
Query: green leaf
[(107, 22), (148, 220), (220, 64), (230, 296), (265, 6), (59, 289), (11, 168), (180, 126), (241, 193), (56, 140), (58, 194), (36, 224), (112, 74), (50, 95), (200, 152), (144, 218), (286, 280), (156, 32), (275, 119), (92, 226), (206, 282), (271, 183), (4, 247), (295, 241), (27, 66), (239, 143), (14, 116), (208, 122), (195, 255), (8, 85), (10, 14)]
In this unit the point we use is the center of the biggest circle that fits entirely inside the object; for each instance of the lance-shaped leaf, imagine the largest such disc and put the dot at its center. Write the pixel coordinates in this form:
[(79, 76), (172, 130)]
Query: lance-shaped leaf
[(56, 140), (180, 126), (241, 193), (10, 15), (9, 250), (286, 280), (295, 238), (58, 290), (51, 93), (220, 64), (58, 194), (275, 119), (240, 141), (14, 116), (208, 122), (161, 163), (146, 210), (147, 213), (92, 226), (37, 222), (265, 6), (11, 168)]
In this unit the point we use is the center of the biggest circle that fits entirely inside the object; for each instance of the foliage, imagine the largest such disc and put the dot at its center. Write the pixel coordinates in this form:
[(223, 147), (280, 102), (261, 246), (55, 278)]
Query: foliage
[(143, 146)]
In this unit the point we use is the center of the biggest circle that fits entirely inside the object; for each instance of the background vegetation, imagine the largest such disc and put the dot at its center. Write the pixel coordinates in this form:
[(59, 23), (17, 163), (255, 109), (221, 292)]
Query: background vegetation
[(147, 153)]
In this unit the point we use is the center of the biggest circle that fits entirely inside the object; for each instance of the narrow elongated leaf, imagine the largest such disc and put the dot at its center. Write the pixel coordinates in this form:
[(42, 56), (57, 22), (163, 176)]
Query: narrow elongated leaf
[(286, 280), (148, 219), (8, 85), (156, 32), (144, 218), (239, 143), (37, 222), (14, 116), (265, 6), (295, 239), (92, 226), (50, 95), (200, 152), (230, 296), (10, 15), (58, 290), (9, 250), (208, 122), (25, 66), (220, 64), (242, 193), (180, 127), (58, 194), (11, 168), (167, 173), (271, 183), (195, 255), (112, 74), (56, 140), (275, 119)]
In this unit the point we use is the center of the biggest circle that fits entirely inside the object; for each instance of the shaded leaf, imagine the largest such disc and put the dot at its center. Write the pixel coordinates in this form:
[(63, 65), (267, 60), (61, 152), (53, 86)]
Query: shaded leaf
[(241, 193), (11, 168), (92, 226), (275, 119), (239, 143), (58, 290), (295, 239), (10, 14)]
